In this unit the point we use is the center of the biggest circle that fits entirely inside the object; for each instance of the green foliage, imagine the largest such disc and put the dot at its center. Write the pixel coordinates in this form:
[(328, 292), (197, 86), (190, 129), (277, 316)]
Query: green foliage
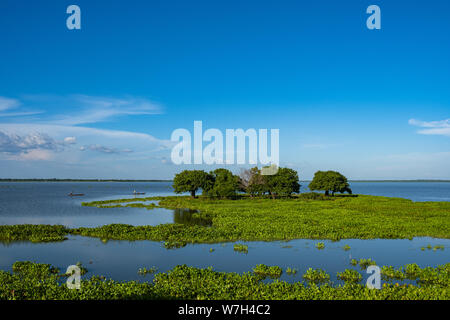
[(224, 184), (316, 276), (264, 271), (349, 275), (346, 247), (191, 181), (41, 282), (364, 263), (329, 181), (33, 233), (313, 196), (283, 183)]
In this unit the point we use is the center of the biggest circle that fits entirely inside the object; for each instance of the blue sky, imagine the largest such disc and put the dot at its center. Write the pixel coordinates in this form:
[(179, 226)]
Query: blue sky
[(102, 102)]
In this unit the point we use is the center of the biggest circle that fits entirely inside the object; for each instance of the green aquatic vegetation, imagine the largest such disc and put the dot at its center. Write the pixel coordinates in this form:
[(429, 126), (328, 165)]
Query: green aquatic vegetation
[(349, 275), (174, 244), (320, 245), (246, 219), (364, 263), (211, 250), (346, 247), (145, 271), (438, 247), (389, 272), (265, 271), (291, 271), (240, 248), (316, 275), (354, 262), (188, 283), (33, 233)]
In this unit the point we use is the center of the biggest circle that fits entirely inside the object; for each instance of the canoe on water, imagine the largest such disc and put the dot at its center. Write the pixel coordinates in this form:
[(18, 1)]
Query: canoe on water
[(138, 192), (75, 194)]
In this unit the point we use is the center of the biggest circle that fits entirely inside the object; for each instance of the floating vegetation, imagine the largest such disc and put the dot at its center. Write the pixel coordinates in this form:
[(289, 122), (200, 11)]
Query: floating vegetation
[(316, 276), (346, 247), (291, 271), (32, 281), (364, 263), (286, 247), (264, 271), (174, 244), (211, 249), (33, 233), (320, 245), (349, 275), (354, 262), (145, 271), (255, 220), (240, 248)]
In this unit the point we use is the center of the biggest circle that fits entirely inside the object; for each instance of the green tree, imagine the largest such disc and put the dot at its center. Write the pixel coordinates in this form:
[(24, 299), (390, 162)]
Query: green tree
[(283, 183), (225, 184), (330, 181), (191, 181)]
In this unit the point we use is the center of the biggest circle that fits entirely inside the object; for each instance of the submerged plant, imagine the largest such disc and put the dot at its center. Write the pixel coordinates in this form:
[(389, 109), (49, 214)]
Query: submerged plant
[(240, 248), (346, 247), (291, 271), (145, 271)]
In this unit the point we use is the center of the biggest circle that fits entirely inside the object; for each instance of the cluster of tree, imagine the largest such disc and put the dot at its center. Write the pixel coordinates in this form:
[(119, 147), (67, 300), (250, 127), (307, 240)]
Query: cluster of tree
[(223, 183), (330, 181)]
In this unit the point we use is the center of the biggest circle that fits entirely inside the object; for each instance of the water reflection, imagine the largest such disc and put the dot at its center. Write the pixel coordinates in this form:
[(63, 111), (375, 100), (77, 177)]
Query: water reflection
[(190, 217)]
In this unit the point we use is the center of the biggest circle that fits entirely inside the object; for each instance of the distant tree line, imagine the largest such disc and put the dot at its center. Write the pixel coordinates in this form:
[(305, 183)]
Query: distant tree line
[(222, 183)]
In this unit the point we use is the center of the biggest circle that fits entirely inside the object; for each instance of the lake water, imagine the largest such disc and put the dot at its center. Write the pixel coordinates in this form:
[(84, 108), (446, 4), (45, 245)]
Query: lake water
[(48, 203)]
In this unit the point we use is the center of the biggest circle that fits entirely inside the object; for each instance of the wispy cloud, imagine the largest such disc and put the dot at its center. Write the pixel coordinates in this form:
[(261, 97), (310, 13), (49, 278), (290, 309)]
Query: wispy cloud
[(8, 103), (441, 127), (104, 149), (82, 109)]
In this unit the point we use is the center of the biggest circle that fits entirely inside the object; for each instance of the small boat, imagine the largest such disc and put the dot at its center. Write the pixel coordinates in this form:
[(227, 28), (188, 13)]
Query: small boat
[(75, 194), (135, 192)]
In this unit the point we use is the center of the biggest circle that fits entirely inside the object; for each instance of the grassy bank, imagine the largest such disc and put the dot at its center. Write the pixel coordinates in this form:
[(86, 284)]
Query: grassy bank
[(40, 281), (361, 217)]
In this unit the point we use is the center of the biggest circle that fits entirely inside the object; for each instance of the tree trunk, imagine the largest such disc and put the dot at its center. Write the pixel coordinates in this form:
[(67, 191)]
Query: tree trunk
[(327, 193), (192, 193)]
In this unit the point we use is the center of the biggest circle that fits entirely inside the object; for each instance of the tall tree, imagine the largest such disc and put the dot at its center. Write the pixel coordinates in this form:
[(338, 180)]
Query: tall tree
[(330, 181), (191, 181), (225, 185), (283, 183)]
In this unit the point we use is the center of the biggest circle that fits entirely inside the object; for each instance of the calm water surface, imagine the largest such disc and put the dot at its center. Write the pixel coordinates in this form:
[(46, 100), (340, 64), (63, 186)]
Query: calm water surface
[(48, 203)]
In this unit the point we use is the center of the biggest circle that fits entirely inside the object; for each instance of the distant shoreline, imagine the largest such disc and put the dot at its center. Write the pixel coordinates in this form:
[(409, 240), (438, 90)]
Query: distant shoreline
[(155, 180), (80, 180)]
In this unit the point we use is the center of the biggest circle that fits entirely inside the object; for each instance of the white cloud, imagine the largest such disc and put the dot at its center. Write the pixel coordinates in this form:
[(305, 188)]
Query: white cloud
[(441, 127), (70, 140)]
